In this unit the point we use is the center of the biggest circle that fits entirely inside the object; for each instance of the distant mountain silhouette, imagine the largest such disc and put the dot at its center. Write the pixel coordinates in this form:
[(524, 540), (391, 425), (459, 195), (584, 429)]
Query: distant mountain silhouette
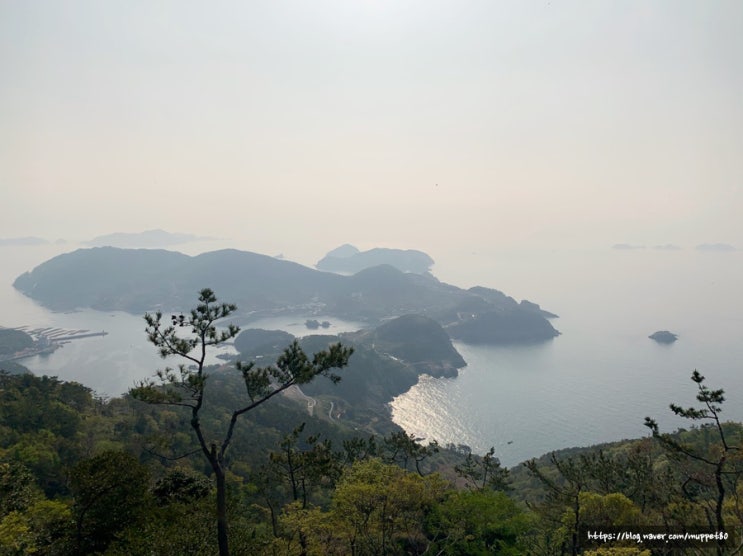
[(149, 238), (716, 247), (345, 250), (139, 280), (347, 259)]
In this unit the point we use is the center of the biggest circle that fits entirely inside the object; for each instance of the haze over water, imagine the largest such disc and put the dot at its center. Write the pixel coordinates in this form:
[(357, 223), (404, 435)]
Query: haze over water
[(596, 382)]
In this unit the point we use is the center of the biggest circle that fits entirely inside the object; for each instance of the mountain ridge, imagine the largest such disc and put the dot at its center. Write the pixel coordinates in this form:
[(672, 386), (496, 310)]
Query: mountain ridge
[(139, 280)]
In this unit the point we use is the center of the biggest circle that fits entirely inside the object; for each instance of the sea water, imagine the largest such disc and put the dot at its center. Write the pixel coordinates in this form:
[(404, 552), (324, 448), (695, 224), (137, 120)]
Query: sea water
[(600, 378)]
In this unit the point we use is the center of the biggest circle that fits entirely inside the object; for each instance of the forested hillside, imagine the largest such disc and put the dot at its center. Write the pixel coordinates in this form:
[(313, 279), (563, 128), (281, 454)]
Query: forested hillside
[(83, 475)]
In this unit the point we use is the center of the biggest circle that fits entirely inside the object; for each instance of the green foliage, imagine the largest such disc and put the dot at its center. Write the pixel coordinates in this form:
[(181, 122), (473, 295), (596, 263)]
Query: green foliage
[(39, 529), (382, 506), (359, 448), (377, 509), (303, 466), (172, 528), (710, 475), (608, 510), (595, 511), (474, 522), (17, 490), (40, 421), (405, 449), (483, 472), (179, 485), (563, 494), (110, 491), (30, 404)]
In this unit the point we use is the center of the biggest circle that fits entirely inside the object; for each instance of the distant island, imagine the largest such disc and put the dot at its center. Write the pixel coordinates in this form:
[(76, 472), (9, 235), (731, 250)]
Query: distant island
[(663, 337), (314, 324), (148, 238), (139, 280), (347, 259), (716, 247)]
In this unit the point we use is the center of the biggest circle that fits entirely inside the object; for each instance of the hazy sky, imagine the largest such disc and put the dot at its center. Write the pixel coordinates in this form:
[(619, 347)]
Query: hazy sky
[(294, 126)]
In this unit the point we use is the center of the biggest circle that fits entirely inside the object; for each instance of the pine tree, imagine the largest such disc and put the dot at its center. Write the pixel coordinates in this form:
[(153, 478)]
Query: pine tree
[(186, 386), (718, 459)]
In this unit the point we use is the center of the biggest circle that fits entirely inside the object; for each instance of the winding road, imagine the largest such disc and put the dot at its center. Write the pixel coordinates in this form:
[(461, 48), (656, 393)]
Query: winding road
[(296, 393)]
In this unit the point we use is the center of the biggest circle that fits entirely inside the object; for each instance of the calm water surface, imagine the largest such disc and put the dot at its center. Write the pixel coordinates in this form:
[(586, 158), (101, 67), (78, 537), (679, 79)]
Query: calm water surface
[(600, 378)]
